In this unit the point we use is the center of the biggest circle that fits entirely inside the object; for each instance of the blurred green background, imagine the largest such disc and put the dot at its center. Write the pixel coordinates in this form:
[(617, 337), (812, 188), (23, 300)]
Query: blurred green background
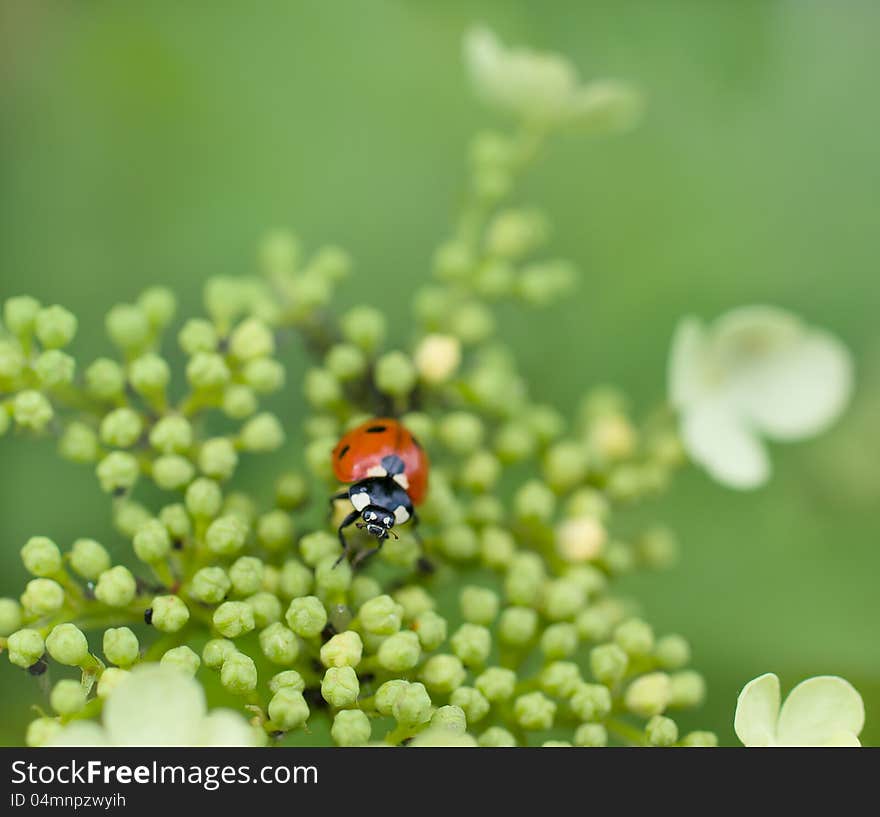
[(155, 142)]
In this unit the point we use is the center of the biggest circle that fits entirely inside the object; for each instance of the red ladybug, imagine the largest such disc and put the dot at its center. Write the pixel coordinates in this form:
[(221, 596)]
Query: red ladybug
[(389, 472)]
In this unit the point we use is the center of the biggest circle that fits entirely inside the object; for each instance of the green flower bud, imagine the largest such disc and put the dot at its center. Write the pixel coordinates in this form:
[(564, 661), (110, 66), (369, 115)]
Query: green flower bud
[(31, 410), (472, 323), (688, 689), (388, 693), (700, 739), (431, 629), (129, 517), (485, 510), (481, 471), (78, 443), (149, 374), (399, 652), (289, 679), (176, 520), (295, 579), (351, 727), (565, 466), (524, 579), (246, 575), (239, 674), (363, 588), (121, 646), (517, 626), (364, 326), (204, 498), (591, 702), (182, 659), (443, 673), (169, 613), (89, 558), (412, 705), (395, 374), (472, 643), (20, 314), (54, 368), (460, 542), (127, 326), (67, 697), (172, 472), (266, 607), (556, 744), (513, 233), (318, 457), (216, 651), (461, 432), (437, 358), (291, 490), (593, 624), (239, 401), (207, 371), (306, 616), (172, 435), (322, 389), (118, 471), (121, 428), (41, 731), (472, 702), (591, 734), (332, 578), (12, 361), (55, 326), (317, 546), (105, 379), (159, 305), (279, 644), (560, 679), (288, 709), (234, 618), (67, 645), (152, 542), (210, 585), (10, 616), (25, 647), (340, 686), (563, 598), (346, 361), (449, 719), (672, 652), (496, 684), (116, 587), (661, 731), (496, 736), (251, 339), (381, 615), (635, 637), (497, 548), (608, 663), (559, 640), (42, 596), (198, 335), (41, 556), (342, 650), (264, 376), (241, 505), (262, 433), (415, 600), (649, 694), (534, 711), (534, 501), (226, 535)]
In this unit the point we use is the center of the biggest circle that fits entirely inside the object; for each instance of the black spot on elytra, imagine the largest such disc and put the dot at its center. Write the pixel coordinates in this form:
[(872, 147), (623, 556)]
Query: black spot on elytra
[(343, 452), (376, 429)]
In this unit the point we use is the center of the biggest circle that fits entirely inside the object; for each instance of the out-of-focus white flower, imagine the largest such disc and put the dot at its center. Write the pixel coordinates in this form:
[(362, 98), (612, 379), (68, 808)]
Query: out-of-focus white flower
[(756, 371), (821, 711), (159, 706), (543, 87)]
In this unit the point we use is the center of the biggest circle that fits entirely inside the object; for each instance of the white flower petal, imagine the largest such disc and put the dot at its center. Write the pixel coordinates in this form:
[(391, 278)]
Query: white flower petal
[(80, 733), (155, 706), (716, 439), (223, 727), (686, 363), (819, 711), (757, 709), (843, 739)]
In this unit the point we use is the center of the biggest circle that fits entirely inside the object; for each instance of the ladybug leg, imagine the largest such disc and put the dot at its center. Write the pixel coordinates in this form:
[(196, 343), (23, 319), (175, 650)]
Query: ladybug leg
[(350, 519), (364, 555)]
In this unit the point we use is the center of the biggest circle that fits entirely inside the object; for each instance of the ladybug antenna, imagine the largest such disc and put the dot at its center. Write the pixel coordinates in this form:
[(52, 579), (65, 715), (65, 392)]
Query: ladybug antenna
[(393, 533)]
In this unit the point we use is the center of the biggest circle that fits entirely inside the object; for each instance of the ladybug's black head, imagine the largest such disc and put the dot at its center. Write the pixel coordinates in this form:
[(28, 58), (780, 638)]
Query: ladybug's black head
[(378, 521)]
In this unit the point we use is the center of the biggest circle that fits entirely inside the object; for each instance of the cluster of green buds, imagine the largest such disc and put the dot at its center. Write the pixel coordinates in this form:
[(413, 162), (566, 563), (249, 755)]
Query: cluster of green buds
[(499, 626)]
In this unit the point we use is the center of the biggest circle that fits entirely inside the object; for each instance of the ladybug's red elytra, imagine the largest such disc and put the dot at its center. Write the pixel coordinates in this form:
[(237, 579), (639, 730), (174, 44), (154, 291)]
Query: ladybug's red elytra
[(388, 470)]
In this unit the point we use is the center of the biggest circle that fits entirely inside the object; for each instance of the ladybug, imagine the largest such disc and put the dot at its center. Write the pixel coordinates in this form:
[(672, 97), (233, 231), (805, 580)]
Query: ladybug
[(388, 469)]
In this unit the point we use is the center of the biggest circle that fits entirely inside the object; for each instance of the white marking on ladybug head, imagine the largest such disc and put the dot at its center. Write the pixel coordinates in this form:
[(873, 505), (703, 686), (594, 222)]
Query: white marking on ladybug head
[(401, 514), (402, 481), (377, 471), (360, 500)]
